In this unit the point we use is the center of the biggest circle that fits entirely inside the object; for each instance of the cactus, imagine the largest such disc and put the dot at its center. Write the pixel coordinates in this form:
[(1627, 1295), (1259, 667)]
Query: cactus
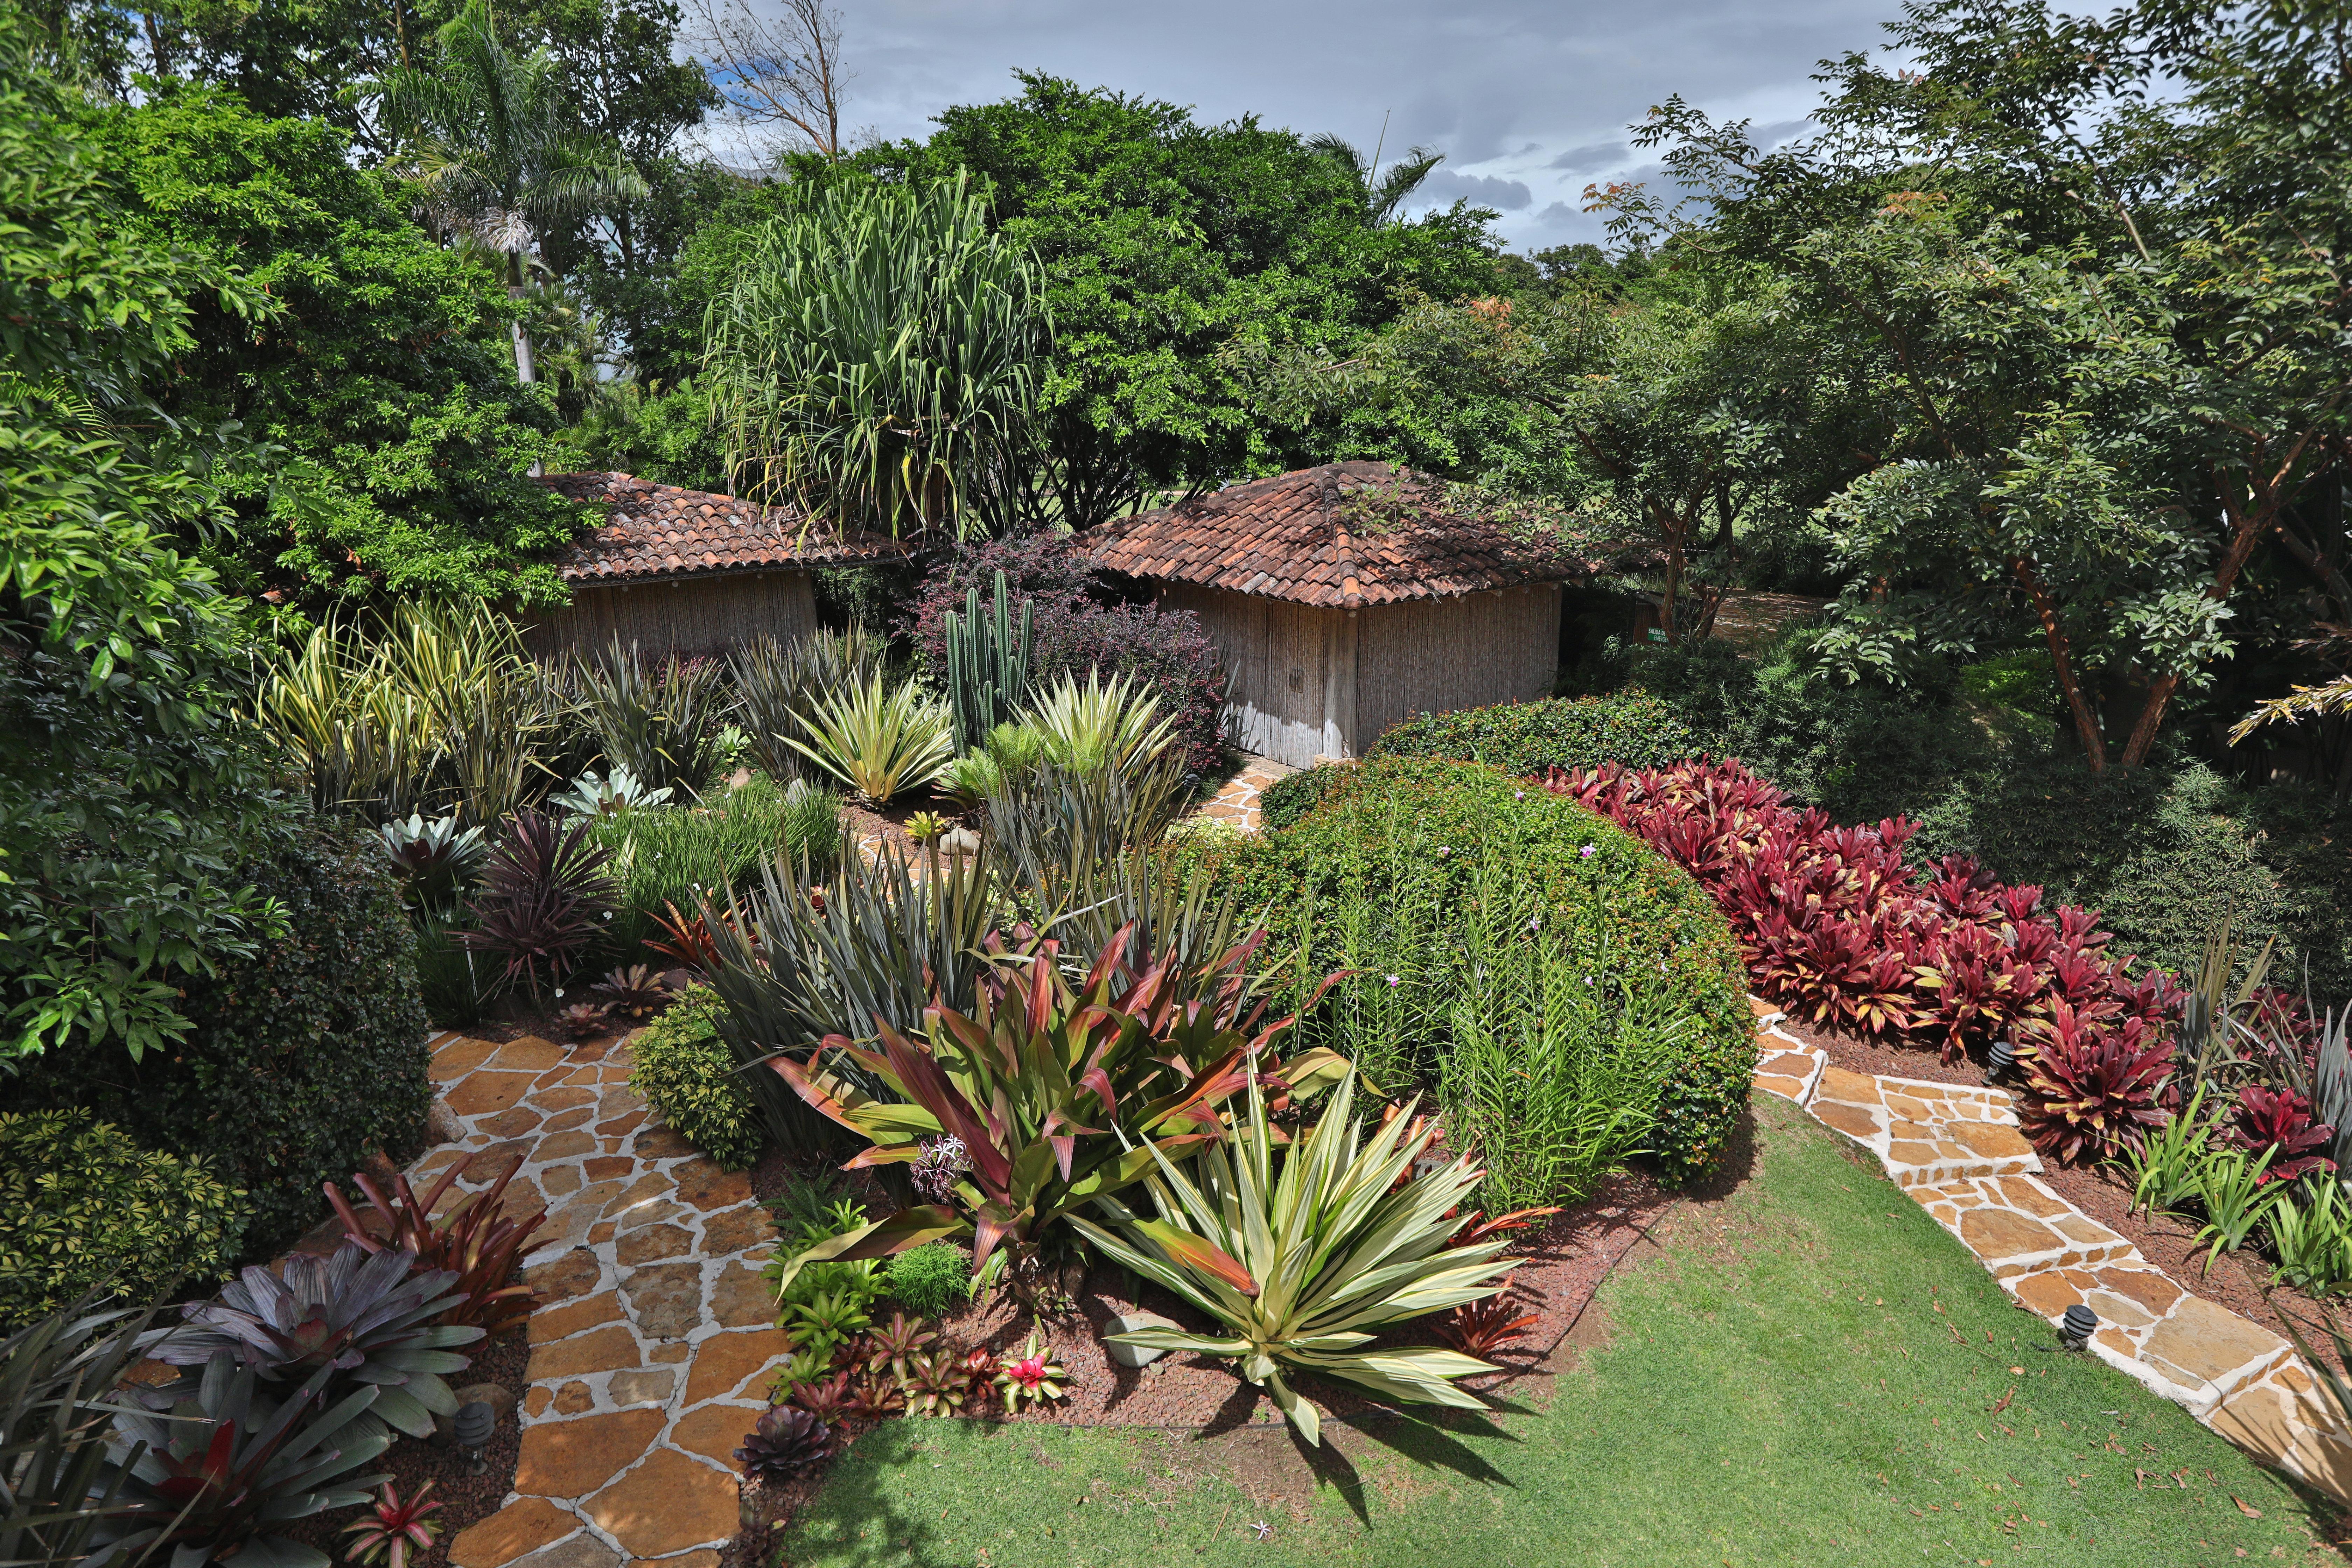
[(988, 668)]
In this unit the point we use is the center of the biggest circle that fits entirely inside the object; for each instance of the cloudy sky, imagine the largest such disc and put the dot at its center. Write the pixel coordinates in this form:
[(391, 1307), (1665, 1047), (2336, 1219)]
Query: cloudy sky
[(1529, 98)]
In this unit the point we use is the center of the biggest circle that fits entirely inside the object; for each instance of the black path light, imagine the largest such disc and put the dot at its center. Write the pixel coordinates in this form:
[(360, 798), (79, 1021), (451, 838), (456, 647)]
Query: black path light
[(1998, 1060), (472, 1428), (2074, 1330)]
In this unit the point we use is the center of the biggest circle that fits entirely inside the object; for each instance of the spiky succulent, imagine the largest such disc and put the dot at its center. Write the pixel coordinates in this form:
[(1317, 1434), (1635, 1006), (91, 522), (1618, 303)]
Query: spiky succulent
[(1479, 1328), (633, 990), (788, 1442), (360, 1318)]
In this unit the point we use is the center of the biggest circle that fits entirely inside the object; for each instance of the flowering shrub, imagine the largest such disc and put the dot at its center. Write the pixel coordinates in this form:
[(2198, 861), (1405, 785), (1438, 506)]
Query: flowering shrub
[(1076, 632), (1838, 929)]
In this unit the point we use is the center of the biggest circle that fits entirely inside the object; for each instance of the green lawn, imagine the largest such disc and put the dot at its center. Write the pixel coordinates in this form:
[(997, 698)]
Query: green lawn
[(1798, 1372)]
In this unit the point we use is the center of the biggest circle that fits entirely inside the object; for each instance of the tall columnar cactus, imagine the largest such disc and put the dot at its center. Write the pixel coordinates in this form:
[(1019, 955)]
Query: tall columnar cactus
[(987, 666)]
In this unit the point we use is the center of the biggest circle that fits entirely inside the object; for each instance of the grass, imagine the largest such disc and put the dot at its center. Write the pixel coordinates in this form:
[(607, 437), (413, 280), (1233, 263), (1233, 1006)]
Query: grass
[(1800, 1372)]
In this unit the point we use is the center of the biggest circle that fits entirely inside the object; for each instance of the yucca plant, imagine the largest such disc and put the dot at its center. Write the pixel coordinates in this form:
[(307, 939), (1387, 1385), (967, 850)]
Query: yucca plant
[(358, 1317), (877, 739), (775, 682), (878, 346), (477, 1241), (660, 722), (1298, 1264), (213, 1466), (58, 1488), (1061, 1094)]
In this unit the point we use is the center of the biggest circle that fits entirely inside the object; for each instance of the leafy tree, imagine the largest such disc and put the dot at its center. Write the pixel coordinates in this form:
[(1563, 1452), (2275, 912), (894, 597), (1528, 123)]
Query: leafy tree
[(378, 374), (497, 150), (126, 783), (1161, 241), (878, 354), (2091, 273)]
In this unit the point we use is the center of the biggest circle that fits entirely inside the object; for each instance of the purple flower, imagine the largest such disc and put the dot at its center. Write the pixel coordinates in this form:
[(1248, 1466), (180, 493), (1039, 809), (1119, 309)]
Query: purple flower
[(1588, 852), (1442, 852), (1394, 982), (1518, 794)]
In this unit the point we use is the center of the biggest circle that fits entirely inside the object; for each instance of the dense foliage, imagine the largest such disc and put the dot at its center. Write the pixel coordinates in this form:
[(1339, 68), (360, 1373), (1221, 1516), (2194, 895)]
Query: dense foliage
[(1522, 738), (1376, 882), (301, 1060), (84, 1209), (687, 1076)]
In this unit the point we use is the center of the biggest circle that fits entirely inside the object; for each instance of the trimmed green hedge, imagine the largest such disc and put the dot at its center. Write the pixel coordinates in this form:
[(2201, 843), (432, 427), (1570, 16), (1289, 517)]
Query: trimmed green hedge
[(687, 1076), (1393, 846), (1628, 727), (305, 1058), (82, 1207)]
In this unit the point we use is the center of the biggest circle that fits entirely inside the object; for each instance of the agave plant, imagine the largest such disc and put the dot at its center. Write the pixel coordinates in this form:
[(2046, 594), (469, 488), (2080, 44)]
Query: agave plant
[(1300, 1265), (477, 1241), (1061, 1095), (544, 898), (877, 739), (434, 860), (1033, 1375), (391, 1529), (592, 797), (788, 1442), (359, 1317), (212, 1466)]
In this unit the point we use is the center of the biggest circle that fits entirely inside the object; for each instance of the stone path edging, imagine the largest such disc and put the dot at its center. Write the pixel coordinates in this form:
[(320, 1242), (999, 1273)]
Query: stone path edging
[(654, 1328), (1957, 1152)]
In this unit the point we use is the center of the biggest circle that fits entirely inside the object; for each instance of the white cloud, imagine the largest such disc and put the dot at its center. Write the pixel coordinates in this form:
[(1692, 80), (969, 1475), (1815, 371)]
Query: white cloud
[(1521, 95), (1444, 187)]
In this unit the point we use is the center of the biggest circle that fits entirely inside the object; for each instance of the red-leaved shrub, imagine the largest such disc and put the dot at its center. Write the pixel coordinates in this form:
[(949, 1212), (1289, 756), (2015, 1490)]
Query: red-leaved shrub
[(1837, 930), (2281, 1120), (2091, 1092)]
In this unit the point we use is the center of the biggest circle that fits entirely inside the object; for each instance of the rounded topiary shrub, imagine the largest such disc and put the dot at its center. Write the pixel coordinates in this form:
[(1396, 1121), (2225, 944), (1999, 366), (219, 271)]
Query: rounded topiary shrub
[(304, 1059), (1383, 878), (84, 1208), (1628, 727), (687, 1076)]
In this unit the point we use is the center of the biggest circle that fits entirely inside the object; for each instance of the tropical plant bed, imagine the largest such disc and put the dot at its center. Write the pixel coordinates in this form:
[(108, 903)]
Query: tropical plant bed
[(1564, 1264), (465, 1498), (2103, 1192)]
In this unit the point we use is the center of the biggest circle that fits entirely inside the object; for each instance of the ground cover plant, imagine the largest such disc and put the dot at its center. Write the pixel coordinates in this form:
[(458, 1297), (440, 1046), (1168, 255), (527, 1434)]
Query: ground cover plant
[(1805, 1358)]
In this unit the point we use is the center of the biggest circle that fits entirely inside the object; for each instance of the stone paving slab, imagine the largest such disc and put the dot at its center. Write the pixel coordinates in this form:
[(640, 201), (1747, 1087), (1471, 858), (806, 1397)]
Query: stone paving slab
[(1956, 1149), (1235, 804), (654, 1326)]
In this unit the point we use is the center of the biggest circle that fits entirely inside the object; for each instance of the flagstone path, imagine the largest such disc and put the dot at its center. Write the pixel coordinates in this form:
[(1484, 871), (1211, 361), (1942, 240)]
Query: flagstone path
[(1236, 801), (1956, 1150), (654, 1327)]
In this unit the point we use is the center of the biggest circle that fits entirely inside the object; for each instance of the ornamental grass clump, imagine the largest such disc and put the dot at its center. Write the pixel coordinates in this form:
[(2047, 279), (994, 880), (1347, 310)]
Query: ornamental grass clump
[(1300, 1258)]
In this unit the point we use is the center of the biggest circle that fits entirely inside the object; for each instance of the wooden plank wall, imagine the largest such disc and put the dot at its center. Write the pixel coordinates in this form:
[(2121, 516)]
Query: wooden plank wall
[(1278, 656), (687, 615), (1435, 655)]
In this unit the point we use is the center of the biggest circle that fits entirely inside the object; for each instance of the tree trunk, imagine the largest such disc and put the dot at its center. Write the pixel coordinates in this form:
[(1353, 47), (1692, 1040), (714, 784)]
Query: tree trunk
[(525, 372), (2086, 723)]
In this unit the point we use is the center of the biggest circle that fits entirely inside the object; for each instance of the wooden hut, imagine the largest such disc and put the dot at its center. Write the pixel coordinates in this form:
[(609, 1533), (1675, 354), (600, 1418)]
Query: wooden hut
[(1347, 597), (687, 571)]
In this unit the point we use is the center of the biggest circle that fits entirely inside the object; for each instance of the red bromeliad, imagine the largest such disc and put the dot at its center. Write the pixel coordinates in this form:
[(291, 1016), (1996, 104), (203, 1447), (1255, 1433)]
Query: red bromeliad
[(393, 1529), (2093, 1092), (2281, 1120)]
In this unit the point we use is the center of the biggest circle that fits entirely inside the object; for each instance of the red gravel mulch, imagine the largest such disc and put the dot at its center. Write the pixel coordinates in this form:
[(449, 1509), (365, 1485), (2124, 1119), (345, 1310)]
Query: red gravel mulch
[(2104, 1192)]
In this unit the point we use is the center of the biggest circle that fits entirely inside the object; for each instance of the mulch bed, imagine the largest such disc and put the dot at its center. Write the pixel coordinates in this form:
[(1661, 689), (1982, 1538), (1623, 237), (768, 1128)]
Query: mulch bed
[(2105, 1193), (1563, 1265)]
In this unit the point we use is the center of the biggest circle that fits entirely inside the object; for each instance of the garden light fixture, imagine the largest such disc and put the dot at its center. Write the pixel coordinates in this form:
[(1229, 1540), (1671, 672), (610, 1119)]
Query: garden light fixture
[(474, 1422), (2075, 1329), (1998, 1060)]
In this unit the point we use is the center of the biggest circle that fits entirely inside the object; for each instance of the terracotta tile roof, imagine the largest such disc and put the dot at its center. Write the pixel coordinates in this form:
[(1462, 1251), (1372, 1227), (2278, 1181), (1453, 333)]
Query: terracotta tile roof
[(1346, 534), (658, 532)]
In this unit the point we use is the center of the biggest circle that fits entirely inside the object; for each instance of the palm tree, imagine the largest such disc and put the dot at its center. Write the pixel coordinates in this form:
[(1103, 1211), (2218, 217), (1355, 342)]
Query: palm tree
[(1382, 193), (497, 152)]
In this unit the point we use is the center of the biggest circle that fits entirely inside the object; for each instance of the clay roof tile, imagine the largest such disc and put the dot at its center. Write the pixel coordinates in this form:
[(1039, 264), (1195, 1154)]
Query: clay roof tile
[(657, 531)]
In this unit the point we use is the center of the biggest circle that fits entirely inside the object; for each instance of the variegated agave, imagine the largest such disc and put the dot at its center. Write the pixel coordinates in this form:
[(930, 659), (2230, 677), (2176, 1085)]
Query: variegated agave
[(1302, 1262), (364, 1318)]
